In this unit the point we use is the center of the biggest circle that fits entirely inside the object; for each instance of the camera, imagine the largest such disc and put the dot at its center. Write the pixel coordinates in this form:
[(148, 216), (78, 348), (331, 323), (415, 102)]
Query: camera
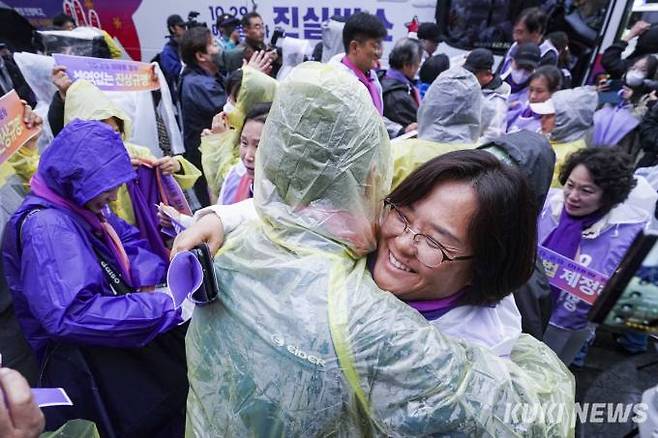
[(276, 35), (192, 22)]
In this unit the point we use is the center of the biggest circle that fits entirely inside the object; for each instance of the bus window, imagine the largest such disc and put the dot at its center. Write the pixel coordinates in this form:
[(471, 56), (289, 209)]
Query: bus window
[(469, 24)]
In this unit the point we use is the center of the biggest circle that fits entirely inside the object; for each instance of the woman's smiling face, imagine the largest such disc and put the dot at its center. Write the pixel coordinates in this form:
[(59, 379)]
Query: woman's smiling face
[(444, 215)]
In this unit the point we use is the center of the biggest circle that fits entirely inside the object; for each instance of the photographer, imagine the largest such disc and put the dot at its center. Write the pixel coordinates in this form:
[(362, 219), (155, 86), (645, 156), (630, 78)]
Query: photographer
[(229, 37), (170, 56), (254, 41)]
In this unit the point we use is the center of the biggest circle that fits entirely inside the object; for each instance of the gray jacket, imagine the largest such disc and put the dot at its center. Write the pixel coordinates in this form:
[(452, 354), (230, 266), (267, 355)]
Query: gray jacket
[(574, 113), (452, 109)]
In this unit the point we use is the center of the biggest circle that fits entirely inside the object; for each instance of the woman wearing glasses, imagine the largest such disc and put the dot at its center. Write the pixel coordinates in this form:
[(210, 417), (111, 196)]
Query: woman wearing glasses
[(437, 271), (457, 266), (302, 341)]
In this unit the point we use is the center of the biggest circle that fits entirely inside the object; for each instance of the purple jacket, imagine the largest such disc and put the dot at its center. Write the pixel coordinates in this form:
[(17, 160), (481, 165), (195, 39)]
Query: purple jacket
[(602, 248), (517, 103), (525, 120), (60, 292)]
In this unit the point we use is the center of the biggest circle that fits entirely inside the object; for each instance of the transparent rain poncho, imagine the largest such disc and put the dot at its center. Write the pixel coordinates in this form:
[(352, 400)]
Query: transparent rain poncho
[(219, 152), (301, 342), (449, 119)]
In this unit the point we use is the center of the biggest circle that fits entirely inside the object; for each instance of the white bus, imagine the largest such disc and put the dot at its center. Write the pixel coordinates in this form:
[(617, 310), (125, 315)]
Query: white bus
[(591, 25)]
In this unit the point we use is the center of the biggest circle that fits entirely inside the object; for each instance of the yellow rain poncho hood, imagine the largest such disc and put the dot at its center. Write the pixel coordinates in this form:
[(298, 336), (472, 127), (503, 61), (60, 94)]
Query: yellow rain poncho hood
[(85, 101), (301, 342), (220, 151)]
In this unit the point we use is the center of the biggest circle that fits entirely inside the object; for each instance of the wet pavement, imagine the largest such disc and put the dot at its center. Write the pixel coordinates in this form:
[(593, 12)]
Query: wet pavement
[(611, 375)]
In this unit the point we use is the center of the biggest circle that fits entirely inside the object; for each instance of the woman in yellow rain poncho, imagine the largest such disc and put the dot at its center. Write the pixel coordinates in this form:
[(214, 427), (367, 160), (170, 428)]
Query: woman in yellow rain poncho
[(448, 120), (219, 152), (85, 101), (301, 341)]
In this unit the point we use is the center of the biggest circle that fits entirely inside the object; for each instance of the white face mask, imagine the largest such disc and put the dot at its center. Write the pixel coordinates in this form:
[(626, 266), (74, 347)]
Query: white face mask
[(520, 76), (228, 108), (634, 78)]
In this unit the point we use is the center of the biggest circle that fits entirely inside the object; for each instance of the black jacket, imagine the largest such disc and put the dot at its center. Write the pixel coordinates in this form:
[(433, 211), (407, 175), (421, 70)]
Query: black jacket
[(399, 103), (647, 132), (533, 155), (56, 114), (612, 62), (18, 81)]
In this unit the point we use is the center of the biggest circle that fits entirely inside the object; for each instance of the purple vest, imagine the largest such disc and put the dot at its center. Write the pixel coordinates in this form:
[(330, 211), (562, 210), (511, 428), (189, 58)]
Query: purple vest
[(602, 254)]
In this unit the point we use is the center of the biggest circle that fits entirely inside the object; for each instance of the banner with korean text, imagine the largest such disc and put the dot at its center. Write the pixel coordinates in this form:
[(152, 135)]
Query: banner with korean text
[(572, 277), (13, 131), (110, 74)]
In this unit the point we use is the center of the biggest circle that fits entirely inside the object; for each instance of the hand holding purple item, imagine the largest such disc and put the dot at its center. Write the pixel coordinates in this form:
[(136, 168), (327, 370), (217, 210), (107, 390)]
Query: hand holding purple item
[(184, 277)]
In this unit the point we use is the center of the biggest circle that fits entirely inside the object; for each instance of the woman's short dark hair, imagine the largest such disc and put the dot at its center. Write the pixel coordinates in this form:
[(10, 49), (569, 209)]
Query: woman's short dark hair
[(611, 169), (234, 84), (433, 67), (551, 74), (258, 112), (502, 231), (406, 51), (193, 41), (61, 19), (534, 19), (559, 39), (361, 27), (246, 19)]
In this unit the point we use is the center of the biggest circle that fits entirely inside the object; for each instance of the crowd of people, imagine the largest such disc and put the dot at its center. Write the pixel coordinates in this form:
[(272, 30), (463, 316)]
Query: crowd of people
[(375, 234)]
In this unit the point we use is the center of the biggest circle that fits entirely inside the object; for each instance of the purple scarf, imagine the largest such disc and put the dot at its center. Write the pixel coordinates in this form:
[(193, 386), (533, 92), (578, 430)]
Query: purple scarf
[(369, 83), (434, 309), (97, 223), (144, 196), (565, 238), (430, 309)]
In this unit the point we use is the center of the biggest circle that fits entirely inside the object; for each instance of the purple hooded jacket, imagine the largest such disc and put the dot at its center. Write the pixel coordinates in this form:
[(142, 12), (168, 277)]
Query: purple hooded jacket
[(60, 292), (602, 248)]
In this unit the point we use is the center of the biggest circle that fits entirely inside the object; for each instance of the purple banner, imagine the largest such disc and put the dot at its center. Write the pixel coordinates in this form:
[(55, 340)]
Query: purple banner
[(44, 397), (110, 74), (571, 277)]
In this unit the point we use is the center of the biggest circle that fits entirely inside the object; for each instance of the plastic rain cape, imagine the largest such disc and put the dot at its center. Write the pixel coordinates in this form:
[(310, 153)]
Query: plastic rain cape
[(301, 341), (449, 119), (219, 152), (412, 153)]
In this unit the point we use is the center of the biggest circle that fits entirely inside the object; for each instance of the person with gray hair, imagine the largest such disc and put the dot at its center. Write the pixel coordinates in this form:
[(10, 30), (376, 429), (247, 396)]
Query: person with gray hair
[(401, 97)]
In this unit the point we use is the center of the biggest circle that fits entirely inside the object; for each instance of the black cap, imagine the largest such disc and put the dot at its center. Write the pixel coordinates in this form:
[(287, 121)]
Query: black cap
[(527, 55), (479, 60), (429, 31), (175, 20), (228, 20), (433, 67)]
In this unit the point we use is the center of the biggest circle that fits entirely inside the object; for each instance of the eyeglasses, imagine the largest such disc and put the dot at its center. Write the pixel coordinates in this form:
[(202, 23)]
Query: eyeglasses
[(428, 251)]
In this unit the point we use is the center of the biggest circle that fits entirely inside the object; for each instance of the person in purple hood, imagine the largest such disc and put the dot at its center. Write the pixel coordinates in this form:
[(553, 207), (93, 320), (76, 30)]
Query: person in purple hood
[(590, 222), (76, 271)]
